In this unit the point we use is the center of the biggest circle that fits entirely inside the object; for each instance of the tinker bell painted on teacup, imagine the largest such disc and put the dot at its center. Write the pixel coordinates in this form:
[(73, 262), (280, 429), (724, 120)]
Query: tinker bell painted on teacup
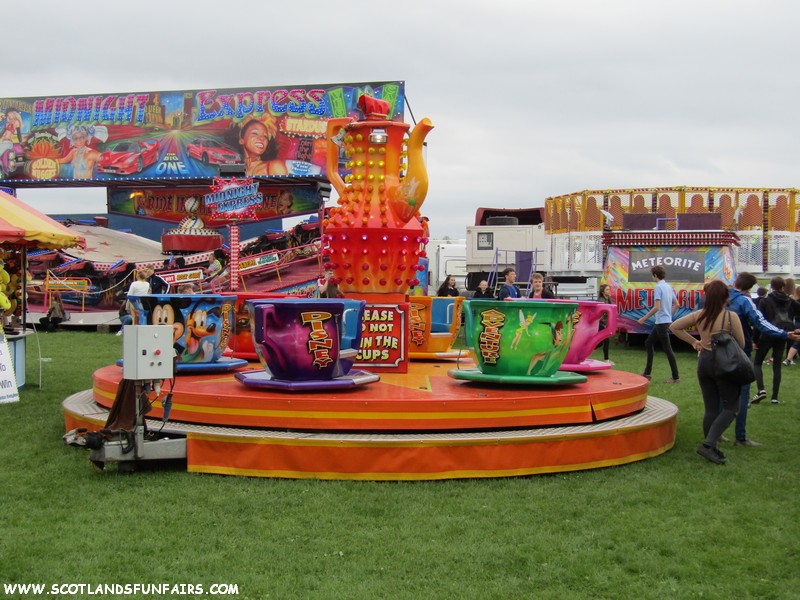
[(541, 361), (524, 325)]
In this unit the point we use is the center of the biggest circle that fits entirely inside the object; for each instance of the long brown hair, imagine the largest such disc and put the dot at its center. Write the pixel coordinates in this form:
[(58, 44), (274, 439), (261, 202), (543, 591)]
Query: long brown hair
[(715, 299)]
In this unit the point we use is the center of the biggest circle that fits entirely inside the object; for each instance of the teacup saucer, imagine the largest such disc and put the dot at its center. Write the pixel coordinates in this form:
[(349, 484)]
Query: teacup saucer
[(586, 366), (557, 378), (263, 380), (223, 365), (439, 355)]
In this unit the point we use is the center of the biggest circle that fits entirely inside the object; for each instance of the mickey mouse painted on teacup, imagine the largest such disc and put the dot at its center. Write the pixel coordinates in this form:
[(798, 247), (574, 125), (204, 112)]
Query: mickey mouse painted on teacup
[(522, 338), (201, 323), (306, 339)]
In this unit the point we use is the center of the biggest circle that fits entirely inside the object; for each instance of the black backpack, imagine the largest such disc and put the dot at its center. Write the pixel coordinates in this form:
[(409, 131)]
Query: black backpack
[(780, 315)]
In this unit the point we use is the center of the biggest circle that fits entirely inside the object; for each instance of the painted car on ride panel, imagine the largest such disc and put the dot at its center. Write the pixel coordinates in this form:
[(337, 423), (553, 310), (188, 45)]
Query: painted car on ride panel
[(212, 152), (128, 157)]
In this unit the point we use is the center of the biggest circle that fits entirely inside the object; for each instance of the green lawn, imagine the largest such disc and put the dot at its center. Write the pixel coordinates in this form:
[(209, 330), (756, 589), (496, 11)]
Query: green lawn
[(674, 526)]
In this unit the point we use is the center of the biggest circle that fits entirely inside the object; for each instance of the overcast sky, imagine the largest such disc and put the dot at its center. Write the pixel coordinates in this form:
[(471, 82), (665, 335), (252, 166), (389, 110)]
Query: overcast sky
[(529, 99)]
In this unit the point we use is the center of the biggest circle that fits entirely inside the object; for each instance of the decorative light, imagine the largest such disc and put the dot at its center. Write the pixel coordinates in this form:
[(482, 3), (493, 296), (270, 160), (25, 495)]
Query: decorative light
[(378, 136)]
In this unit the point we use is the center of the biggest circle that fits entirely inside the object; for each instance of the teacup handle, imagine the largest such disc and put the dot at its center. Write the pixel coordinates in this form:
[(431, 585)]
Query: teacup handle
[(611, 325), (354, 342), (270, 346)]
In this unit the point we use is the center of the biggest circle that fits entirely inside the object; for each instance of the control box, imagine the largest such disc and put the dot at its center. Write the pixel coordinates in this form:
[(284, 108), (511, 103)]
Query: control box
[(147, 352)]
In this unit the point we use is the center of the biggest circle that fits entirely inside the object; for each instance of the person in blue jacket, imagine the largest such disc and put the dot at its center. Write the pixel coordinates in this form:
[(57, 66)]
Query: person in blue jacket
[(741, 303), (509, 290)]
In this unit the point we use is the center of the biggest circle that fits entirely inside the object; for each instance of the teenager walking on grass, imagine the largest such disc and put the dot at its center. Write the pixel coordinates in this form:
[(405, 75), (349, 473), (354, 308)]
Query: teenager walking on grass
[(664, 303), (777, 309), (751, 318), (720, 395)]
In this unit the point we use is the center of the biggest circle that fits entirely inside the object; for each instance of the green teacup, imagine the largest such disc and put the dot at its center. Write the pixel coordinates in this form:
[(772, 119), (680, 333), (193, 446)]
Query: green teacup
[(521, 337)]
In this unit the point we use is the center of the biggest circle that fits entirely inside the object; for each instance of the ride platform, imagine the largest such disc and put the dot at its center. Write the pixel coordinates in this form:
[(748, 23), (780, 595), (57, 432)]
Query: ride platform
[(422, 424)]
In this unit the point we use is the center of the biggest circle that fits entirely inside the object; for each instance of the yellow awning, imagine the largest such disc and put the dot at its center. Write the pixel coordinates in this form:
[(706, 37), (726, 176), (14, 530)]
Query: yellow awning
[(21, 224)]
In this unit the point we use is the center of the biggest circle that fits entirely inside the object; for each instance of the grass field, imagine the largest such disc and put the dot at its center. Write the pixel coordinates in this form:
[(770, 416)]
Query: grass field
[(674, 526)]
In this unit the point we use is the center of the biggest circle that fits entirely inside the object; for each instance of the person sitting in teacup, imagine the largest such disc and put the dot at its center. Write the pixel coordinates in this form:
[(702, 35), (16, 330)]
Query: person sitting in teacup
[(544, 360)]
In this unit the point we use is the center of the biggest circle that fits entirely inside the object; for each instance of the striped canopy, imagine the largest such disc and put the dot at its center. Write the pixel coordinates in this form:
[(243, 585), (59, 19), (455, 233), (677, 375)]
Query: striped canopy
[(23, 225)]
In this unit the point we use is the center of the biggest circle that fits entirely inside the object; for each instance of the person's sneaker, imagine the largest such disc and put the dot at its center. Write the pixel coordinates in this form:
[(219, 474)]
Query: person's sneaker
[(719, 453), (722, 440), (672, 380), (788, 362), (710, 454), (759, 396), (646, 376), (119, 333), (775, 401), (747, 443)]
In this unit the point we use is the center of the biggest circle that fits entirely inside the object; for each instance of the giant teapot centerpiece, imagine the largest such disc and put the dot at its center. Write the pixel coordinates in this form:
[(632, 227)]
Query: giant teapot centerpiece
[(374, 238)]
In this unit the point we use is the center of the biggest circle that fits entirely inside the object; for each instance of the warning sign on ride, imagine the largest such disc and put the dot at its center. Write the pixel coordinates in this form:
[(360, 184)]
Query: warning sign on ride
[(384, 338), (8, 382)]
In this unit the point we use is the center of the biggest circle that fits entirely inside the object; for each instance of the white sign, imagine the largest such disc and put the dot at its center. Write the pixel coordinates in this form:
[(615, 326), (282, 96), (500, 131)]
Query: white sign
[(248, 264), (8, 381)]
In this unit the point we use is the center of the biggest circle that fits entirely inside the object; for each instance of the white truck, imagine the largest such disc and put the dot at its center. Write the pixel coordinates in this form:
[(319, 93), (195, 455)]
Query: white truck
[(500, 240), (446, 257)]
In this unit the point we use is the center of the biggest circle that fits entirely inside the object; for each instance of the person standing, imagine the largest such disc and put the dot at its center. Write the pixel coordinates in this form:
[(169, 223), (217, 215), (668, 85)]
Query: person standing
[(777, 309), (538, 291), (664, 302), (794, 294), (508, 290), (742, 305), (140, 286), (158, 284), (448, 287), (483, 291), (720, 396), (604, 295)]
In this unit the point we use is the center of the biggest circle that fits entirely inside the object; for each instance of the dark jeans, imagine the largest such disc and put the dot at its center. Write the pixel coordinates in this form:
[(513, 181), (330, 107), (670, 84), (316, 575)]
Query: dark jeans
[(660, 332), (777, 346), (50, 323), (720, 397)]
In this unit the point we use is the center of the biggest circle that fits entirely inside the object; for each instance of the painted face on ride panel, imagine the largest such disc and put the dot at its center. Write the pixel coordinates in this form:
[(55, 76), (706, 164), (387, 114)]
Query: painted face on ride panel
[(255, 139), (79, 139)]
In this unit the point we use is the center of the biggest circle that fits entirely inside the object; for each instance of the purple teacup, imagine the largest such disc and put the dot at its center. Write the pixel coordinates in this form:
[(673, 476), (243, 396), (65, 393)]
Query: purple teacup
[(303, 339)]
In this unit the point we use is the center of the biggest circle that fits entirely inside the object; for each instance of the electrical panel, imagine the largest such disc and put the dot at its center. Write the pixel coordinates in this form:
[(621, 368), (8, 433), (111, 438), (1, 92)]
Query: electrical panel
[(147, 352)]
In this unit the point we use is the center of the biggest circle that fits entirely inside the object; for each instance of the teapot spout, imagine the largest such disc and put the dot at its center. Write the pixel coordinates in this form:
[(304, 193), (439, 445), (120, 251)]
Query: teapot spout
[(406, 199)]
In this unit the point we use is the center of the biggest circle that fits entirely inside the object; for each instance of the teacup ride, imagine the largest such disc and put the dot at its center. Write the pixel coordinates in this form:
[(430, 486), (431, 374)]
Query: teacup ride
[(417, 425), (202, 325), (434, 323), (306, 344), (523, 342)]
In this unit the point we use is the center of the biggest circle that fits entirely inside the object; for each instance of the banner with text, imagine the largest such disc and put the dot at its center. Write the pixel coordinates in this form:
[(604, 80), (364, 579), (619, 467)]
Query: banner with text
[(269, 131)]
